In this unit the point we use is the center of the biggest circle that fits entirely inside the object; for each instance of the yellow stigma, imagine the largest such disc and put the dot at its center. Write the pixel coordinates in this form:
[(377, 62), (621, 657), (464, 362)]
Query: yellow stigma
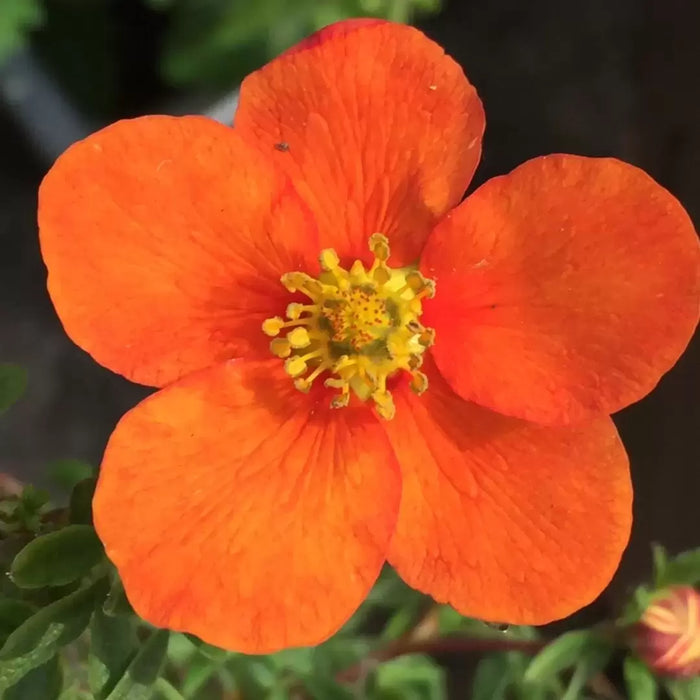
[(361, 327)]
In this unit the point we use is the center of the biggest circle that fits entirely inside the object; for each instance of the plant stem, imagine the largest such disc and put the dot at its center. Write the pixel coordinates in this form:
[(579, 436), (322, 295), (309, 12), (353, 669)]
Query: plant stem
[(438, 646)]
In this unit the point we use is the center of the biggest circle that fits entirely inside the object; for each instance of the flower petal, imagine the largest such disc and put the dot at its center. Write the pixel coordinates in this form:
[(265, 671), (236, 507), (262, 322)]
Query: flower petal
[(378, 128), (505, 520), (165, 239), (565, 289), (245, 512)]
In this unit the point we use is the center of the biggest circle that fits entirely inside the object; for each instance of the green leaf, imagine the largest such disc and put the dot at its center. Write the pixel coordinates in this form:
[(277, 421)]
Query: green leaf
[(208, 650), (491, 679), (339, 653), (404, 619), (684, 689), (141, 674), (254, 675), (594, 660), (562, 653), (81, 502), (681, 570), (45, 682), (325, 688), (12, 614), (66, 473), (113, 644), (13, 378), (116, 603), (166, 691), (636, 605), (640, 681), (57, 558), (660, 560), (38, 639), (412, 676)]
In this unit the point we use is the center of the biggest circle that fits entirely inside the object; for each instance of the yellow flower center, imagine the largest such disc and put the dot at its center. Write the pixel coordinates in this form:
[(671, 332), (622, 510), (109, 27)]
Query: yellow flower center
[(361, 327)]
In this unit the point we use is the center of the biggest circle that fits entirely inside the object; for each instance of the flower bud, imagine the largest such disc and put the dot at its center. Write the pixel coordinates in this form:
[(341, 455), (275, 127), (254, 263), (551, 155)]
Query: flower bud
[(667, 637)]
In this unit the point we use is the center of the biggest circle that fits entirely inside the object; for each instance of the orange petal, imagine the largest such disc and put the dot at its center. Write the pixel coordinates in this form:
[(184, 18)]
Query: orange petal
[(165, 239), (506, 520), (378, 128), (564, 289), (244, 512)]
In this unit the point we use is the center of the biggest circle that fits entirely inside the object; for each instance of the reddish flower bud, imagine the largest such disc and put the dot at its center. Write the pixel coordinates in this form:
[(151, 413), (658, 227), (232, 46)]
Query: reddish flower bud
[(667, 638)]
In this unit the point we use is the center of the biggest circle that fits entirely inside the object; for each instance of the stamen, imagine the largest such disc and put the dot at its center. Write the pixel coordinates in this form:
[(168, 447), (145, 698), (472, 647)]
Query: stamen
[(361, 326), (299, 338), (294, 310), (419, 382), (328, 260), (272, 326), (280, 347)]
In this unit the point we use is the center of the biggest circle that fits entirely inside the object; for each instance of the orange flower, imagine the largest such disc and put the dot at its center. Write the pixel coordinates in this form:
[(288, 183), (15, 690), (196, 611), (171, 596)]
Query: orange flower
[(448, 415)]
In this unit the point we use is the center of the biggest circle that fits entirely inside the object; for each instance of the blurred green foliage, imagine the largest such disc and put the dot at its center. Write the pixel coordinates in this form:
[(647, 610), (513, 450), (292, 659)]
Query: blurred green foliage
[(17, 18), (216, 43), (197, 44)]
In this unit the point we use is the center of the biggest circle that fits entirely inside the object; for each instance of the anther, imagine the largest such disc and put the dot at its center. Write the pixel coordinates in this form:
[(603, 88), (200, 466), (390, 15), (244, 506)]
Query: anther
[(294, 310), (272, 326), (419, 382), (361, 327), (342, 400), (301, 282), (379, 245), (295, 366), (280, 347), (427, 337), (381, 275), (299, 338), (328, 260)]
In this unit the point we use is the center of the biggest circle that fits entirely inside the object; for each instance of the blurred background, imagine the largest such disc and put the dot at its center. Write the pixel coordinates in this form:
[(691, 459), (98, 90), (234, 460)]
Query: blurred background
[(596, 78)]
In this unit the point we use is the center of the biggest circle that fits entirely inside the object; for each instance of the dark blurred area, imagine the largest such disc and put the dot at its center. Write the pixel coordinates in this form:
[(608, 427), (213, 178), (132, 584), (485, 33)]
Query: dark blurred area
[(596, 78)]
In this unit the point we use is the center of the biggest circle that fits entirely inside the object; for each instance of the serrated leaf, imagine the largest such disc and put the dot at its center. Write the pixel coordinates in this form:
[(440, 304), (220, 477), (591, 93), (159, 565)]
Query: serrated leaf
[(491, 679), (45, 682), (40, 637), (13, 378), (141, 674), (113, 644), (58, 558), (81, 501), (681, 570), (562, 653), (640, 681)]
